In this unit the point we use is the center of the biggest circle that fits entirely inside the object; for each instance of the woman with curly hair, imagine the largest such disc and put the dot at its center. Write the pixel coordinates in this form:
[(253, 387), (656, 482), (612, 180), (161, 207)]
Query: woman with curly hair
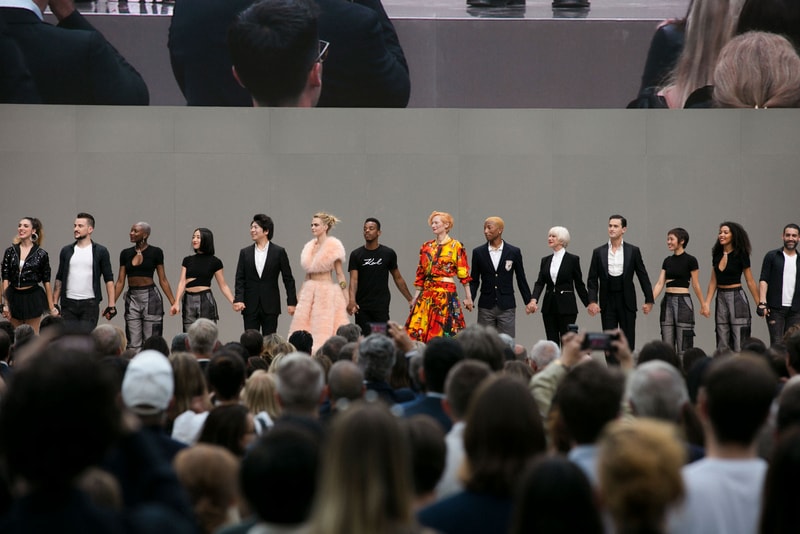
[(26, 268), (435, 310), (322, 302)]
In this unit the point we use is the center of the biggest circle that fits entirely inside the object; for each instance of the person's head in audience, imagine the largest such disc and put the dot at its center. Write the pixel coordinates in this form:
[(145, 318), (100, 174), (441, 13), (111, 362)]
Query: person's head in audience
[(425, 439), (345, 381), (776, 356), (323, 362), (503, 433), (302, 341), (781, 17), (256, 363), (260, 392), (460, 386), (179, 343), (23, 334), (656, 389), (793, 354), (253, 341), (271, 342), (148, 387), (5, 346), (230, 426), (279, 475), (658, 350), (639, 468), (52, 324), (520, 353), (415, 364), (779, 508), (441, 354), (191, 390), (351, 332), (348, 352), (157, 343), (300, 385), (202, 338), (788, 407), (376, 354), (399, 378), (332, 346), (482, 343), (276, 53), (226, 376), (754, 345), (555, 496), (543, 352), (518, 370), (238, 348), (59, 392), (757, 70), (589, 398), (366, 481), (690, 357), (208, 474), (734, 401), (8, 328)]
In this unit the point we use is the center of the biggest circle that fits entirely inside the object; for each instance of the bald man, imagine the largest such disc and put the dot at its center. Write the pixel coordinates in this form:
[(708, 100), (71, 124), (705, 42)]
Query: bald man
[(494, 266)]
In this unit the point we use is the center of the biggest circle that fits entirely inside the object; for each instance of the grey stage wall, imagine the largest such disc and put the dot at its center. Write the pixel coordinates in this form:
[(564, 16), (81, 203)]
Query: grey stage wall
[(180, 168)]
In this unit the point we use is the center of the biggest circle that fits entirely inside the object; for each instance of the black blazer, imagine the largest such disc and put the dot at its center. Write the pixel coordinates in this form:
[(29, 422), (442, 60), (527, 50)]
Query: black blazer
[(632, 263), (497, 286), (772, 274), (365, 65), (72, 63), (561, 295), (253, 290)]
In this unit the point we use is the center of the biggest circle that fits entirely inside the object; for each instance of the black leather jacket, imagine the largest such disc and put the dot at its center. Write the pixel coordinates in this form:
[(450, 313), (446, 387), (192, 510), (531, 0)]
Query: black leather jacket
[(35, 270)]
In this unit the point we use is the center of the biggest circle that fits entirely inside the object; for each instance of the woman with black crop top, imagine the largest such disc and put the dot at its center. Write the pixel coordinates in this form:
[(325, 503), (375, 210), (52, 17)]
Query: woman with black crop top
[(195, 283), (26, 268), (730, 259), (144, 309), (677, 310)]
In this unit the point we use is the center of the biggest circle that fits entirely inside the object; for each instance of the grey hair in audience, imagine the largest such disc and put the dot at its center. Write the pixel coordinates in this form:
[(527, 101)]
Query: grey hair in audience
[(350, 331), (300, 382), (376, 357), (345, 381), (543, 352), (482, 343), (107, 340), (508, 340), (202, 335), (656, 389)]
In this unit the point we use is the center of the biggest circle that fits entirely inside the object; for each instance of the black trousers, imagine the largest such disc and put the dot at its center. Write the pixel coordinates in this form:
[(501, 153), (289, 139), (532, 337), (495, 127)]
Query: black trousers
[(615, 314), (266, 323)]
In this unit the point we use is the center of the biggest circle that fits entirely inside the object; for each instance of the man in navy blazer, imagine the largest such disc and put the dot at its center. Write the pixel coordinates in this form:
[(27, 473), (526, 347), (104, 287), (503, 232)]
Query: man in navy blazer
[(71, 63), (494, 266), (611, 277), (256, 294), (779, 286), (365, 66)]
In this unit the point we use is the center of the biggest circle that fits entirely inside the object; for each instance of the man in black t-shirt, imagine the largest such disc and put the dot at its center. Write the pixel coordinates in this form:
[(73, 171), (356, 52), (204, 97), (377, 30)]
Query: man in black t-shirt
[(369, 268)]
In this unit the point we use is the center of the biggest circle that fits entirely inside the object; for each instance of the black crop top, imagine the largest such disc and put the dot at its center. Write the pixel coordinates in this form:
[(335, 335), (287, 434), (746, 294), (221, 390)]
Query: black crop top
[(732, 274), (201, 267), (152, 257), (36, 268), (678, 269)]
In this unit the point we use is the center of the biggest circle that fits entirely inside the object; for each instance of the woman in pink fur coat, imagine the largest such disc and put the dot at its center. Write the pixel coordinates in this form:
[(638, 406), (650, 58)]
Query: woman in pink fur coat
[(322, 302)]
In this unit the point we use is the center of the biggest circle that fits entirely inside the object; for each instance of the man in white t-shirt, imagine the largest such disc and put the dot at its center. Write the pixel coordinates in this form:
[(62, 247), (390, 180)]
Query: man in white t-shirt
[(779, 299), (723, 491)]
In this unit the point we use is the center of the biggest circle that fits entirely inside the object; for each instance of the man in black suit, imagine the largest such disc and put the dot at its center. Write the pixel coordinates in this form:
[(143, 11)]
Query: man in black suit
[(71, 63), (494, 266), (256, 293), (778, 286), (611, 274), (366, 66)]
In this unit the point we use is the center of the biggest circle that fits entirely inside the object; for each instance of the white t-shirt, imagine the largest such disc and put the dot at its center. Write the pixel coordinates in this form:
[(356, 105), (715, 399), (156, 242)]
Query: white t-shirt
[(80, 280)]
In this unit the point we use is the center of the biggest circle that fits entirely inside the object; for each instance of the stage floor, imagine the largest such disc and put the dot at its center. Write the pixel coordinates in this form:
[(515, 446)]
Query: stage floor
[(454, 9)]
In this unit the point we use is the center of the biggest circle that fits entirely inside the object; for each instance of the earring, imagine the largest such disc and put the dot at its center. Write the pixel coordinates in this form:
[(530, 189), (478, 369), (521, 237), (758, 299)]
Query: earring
[(34, 237)]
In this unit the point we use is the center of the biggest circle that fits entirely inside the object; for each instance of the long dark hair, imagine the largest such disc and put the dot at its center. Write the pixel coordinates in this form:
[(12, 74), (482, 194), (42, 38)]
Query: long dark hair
[(739, 240)]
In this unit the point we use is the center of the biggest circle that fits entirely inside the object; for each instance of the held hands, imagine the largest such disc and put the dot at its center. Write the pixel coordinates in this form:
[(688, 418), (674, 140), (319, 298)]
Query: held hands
[(238, 306), (646, 307), (593, 309), (531, 307), (289, 309), (468, 304), (110, 312), (705, 310), (352, 308), (174, 309)]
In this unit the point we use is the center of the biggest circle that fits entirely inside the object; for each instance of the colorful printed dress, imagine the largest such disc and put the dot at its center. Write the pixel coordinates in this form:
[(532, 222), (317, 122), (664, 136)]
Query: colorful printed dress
[(437, 311)]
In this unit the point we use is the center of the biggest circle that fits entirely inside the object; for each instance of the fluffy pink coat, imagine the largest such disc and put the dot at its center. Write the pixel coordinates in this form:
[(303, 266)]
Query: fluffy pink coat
[(321, 306)]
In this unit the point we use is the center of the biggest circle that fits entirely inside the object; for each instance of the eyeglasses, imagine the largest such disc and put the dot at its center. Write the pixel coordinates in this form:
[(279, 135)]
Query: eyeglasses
[(323, 51)]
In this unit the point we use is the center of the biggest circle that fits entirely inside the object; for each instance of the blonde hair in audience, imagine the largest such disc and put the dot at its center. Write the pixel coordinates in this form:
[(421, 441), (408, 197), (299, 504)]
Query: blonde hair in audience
[(259, 394), (757, 70)]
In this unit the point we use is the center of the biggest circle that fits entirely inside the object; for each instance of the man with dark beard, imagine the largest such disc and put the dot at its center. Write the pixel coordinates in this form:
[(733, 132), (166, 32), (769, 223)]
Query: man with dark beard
[(779, 300)]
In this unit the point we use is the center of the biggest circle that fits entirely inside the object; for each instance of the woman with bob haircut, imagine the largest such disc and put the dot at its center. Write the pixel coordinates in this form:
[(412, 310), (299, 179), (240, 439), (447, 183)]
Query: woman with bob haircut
[(195, 283), (25, 271), (677, 311), (730, 259), (560, 277), (435, 309), (503, 433)]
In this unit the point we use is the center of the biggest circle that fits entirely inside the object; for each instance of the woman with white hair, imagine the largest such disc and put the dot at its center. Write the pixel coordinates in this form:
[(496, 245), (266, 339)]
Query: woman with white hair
[(560, 277)]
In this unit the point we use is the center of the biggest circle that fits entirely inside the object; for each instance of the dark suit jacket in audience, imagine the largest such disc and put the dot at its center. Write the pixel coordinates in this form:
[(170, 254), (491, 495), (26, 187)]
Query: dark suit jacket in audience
[(72, 63), (365, 65)]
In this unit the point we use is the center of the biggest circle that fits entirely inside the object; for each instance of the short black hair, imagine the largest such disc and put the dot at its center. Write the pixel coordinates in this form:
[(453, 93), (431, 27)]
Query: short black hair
[(206, 241), (157, 343), (302, 341), (252, 340), (681, 235), (793, 226), (226, 374), (440, 355), (622, 219), (373, 220), (266, 224), (273, 45), (225, 426), (658, 350), (588, 398), (88, 216)]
